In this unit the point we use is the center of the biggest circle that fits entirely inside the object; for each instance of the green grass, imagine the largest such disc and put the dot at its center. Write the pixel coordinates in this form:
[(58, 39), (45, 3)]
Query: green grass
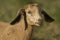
[(9, 8)]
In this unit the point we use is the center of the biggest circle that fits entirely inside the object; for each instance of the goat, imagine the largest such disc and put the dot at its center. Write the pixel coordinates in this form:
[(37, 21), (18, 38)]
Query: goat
[(21, 27)]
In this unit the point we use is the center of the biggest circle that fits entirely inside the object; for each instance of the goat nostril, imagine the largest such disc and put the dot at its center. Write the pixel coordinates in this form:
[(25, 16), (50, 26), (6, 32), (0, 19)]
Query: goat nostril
[(39, 20)]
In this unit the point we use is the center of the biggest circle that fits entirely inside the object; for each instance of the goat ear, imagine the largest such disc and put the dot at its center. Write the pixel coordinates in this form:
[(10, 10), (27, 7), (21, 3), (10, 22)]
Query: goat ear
[(47, 17), (17, 19), (25, 20)]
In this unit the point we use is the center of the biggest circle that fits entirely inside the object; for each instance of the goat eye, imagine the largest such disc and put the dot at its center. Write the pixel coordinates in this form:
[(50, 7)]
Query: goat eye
[(29, 12)]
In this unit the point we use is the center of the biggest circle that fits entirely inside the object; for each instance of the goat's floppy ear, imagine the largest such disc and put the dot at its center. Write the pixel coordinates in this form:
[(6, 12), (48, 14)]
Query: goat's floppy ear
[(26, 24), (17, 19), (47, 17)]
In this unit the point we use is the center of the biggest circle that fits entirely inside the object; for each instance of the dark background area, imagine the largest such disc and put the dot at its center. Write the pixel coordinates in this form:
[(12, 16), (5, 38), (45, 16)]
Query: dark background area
[(9, 8)]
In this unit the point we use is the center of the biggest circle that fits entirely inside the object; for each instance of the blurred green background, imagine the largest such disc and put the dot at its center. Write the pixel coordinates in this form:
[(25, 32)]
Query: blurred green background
[(9, 8)]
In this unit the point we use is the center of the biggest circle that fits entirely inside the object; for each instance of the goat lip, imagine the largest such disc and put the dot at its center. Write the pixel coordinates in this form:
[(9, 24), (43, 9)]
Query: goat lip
[(37, 23)]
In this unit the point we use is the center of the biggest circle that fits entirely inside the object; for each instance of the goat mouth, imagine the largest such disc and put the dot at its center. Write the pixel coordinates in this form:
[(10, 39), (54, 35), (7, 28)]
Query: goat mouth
[(38, 23)]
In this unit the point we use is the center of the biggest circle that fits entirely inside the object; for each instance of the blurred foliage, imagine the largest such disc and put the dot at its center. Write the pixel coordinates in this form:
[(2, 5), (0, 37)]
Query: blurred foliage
[(9, 8)]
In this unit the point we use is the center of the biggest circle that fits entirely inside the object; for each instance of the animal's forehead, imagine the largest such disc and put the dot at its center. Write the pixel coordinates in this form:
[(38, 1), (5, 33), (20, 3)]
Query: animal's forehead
[(31, 6)]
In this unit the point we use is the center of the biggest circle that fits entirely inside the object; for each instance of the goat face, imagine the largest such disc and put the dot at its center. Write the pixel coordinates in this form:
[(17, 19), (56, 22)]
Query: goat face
[(33, 14)]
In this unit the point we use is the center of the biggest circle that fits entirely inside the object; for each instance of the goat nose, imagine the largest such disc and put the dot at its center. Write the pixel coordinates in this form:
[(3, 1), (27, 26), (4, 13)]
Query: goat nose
[(39, 20)]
